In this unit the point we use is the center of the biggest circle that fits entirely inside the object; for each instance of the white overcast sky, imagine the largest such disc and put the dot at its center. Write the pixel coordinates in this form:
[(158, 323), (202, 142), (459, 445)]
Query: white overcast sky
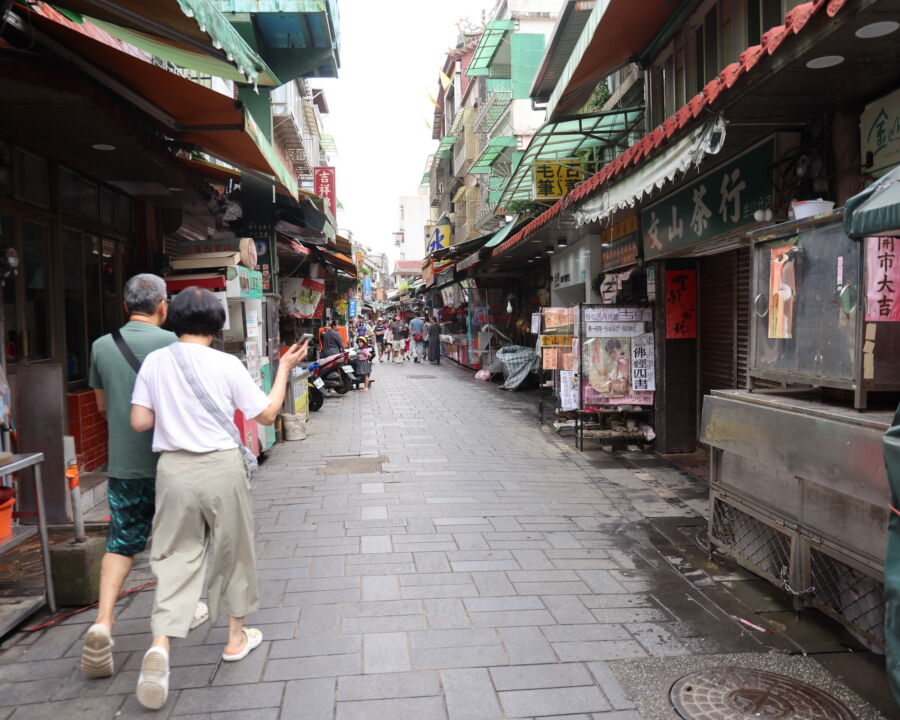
[(391, 53)]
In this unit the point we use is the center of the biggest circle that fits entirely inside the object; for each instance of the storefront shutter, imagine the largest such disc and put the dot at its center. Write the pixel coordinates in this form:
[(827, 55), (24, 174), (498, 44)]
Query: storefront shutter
[(718, 326), (742, 340)]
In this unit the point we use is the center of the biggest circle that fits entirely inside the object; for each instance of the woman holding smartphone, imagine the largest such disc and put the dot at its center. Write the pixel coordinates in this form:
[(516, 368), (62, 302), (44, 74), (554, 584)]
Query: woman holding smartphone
[(188, 393)]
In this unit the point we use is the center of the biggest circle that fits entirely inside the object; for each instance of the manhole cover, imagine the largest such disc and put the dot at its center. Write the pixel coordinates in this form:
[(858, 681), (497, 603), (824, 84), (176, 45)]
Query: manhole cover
[(734, 693), (353, 465), (422, 377)]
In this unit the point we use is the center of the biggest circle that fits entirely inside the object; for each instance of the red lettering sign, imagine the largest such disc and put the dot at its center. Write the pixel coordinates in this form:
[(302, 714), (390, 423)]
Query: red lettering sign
[(323, 179)]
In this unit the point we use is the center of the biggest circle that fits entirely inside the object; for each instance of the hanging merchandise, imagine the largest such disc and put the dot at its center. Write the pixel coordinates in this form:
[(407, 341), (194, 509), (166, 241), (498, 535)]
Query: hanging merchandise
[(301, 297)]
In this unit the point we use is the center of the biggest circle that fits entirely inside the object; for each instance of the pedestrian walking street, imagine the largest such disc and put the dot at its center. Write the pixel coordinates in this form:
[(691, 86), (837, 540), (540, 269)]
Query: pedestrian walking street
[(430, 551)]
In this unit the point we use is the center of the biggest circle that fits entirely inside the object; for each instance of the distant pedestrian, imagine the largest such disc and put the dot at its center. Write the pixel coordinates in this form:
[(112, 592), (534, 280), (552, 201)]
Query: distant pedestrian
[(364, 362), (131, 487), (434, 341), (380, 328), (417, 336), (399, 333), (187, 393), (332, 341)]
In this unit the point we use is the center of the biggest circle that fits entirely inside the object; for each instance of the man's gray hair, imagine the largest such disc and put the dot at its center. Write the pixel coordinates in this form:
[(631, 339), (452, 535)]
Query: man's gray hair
[(144, 292)]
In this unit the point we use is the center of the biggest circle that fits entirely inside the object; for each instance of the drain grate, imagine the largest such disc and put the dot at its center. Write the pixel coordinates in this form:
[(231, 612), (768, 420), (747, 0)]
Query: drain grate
[(422, 377), (734, 693)]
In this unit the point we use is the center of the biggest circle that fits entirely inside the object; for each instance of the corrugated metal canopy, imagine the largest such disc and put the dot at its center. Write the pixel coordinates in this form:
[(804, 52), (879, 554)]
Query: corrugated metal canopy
[(493, 35), (564, 138), (571, 22)]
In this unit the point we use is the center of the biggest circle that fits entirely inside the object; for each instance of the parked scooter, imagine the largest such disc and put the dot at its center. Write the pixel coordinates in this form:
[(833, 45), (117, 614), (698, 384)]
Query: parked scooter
[(330, 373)]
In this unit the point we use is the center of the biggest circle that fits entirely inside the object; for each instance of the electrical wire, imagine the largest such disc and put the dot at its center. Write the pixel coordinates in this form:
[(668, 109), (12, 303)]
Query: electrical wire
[(54, 621)]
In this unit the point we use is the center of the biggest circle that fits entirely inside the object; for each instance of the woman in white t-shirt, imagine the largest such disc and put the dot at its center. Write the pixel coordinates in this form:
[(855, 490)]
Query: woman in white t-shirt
[(202, 481)]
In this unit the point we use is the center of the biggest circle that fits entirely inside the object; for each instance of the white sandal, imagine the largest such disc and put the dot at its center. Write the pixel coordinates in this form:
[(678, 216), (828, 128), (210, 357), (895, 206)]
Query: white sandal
[(254, 640)]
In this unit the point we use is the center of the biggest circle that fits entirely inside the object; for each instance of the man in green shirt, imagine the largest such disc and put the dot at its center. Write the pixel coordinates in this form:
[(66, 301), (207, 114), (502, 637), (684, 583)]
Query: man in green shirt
[(132, 462)]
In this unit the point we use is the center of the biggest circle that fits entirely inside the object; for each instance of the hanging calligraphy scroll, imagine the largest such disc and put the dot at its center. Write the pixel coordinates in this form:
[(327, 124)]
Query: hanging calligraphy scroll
[(681, 304)]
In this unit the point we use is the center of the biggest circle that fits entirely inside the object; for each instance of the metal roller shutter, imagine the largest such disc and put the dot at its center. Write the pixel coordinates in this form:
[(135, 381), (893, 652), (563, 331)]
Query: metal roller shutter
[(742, 340), (718, 323)]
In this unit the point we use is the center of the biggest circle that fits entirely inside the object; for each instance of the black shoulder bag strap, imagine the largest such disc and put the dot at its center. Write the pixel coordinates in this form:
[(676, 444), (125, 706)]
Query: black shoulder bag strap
[(126, 351)]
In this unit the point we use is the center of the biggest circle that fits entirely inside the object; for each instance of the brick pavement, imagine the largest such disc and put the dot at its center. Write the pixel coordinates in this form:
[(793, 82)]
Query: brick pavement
[(428, 552)]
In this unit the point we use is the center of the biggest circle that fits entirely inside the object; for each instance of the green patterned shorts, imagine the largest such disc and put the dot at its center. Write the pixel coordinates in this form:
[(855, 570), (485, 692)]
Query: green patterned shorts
[(131, 508)]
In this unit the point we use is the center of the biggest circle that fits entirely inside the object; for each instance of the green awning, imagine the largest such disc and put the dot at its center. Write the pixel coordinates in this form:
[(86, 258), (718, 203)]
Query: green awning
[(195, 26), (445, 147), (491, 152), (564, 139), (876, 210), (326, 142), (502, 233), (491, 38), (182, 57)]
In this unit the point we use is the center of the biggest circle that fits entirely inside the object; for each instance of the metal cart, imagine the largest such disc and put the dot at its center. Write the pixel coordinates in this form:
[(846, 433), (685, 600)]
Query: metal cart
[(15, 608)]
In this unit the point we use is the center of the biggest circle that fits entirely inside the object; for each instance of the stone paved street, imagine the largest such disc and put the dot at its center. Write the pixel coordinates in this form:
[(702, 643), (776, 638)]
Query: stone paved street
[(428, 552)]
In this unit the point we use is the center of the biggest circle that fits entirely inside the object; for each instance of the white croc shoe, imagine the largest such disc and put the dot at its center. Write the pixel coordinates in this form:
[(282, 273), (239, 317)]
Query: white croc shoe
[(153, 682), (201, 615), (96, 655)]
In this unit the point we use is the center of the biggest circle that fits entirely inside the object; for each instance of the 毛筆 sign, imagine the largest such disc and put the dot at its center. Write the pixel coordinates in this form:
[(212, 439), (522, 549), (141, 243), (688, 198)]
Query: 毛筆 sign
[(721, 200)]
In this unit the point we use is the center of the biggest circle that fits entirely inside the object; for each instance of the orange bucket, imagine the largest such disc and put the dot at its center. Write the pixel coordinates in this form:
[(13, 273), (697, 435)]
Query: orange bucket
[(6, 518)]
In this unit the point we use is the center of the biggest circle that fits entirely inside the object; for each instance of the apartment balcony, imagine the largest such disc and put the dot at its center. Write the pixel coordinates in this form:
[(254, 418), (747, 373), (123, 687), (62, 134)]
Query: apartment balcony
[(287, 132), (465, 142), (496, 104)]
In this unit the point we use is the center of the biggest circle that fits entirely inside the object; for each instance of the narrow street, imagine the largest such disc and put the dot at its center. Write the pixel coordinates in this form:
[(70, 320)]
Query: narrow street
[(429, 552)]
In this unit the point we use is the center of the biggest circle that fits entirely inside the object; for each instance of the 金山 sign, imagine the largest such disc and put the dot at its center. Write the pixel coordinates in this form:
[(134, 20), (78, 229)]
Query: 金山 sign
[(722, 200), (554, 180), (323, 186)]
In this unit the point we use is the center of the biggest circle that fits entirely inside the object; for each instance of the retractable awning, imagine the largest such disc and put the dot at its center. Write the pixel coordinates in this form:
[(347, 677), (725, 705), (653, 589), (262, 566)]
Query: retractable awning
[(445, 147), (876, 210), (493, 35), (337, 260), (615, 32), (493, 150), (195, 27), (188, 112), (562, 140)]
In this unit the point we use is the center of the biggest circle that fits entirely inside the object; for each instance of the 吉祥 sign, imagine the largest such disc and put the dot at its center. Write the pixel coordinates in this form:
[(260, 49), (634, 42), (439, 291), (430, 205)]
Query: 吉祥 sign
[(555, 180), (882, 279), (620, 244), (323, 186), (722, 200)]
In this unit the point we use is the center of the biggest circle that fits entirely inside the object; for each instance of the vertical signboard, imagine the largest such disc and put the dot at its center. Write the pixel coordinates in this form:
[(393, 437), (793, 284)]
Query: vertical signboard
[(681, 304), (323, 186), (367, 288)]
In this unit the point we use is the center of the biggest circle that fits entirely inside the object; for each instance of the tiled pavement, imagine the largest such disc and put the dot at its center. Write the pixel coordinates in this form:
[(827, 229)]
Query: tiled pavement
[(428, 552)]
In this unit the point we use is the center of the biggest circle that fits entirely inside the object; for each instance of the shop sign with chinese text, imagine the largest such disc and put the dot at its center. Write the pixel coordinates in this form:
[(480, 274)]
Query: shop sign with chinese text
[(721, 201), (555, 180), (438, 237), (880, 134), (681, 304), (556, 341), (367, 288), (620, 244), (323, 186), (882, 279)]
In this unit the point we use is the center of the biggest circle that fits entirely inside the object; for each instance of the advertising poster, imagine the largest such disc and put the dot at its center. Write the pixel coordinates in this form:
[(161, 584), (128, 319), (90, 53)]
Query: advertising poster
[(882, 280), (301, 297), (782, 286), (681, 304), (558, 317), (481, 315), (615, 346), (568, 390)]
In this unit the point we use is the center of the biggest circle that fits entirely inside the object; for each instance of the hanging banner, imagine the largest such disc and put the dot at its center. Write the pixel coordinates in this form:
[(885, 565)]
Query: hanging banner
[(301, 297), (367, 288), (351, 308), (782, 288), (324, 187), (722, 200), (643, 363), (882, 280), (681, 304)]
